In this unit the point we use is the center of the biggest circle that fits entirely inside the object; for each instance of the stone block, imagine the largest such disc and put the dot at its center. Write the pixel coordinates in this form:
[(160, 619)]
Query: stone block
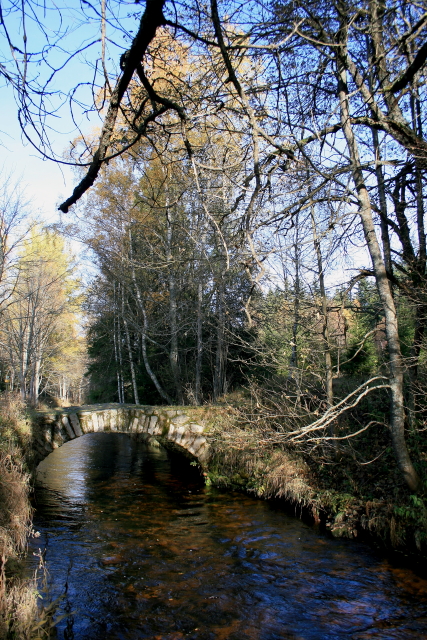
[(61, 430), (171, 431), (158, 429), (187, 439), (46, 434), (58, 436), (75, 424), (179, 420), (48, 447), (143, 422), (198, 442), (101, 421), (130, 415), (179, 432), (203, 452), (133, 415), (95, 422), (138, 422), (196, 428), (152, 426), (67, 427), (86, 422)]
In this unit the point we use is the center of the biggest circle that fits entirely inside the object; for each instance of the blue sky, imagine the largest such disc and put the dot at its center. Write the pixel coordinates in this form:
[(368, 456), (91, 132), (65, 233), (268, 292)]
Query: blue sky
[(44, 182), (47, 183)]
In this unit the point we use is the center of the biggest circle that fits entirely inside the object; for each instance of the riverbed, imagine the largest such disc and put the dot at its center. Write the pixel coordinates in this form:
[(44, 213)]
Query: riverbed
[(137, 547)]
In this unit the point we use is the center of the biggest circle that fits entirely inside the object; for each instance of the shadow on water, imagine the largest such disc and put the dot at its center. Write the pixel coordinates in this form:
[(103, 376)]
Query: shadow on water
[(142, 549)]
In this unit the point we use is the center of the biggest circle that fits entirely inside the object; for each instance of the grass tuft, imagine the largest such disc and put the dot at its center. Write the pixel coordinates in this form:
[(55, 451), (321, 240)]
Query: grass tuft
[(20, 616)]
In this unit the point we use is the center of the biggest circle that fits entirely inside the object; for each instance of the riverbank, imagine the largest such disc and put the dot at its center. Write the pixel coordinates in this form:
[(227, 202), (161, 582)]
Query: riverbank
[(20, 616), (145, 550), (352, 488), (331, 488)]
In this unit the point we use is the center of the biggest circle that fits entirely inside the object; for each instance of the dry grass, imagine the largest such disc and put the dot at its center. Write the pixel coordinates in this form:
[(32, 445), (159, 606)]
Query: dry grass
[(25, 619), (21, 610), (13, 413), (248, 453), (15, 509), (264, 470), (18, 598)]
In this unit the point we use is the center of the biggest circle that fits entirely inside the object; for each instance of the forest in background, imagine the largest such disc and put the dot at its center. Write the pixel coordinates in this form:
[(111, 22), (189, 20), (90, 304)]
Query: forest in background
[(42, 342), (254, 203), (260, 223)]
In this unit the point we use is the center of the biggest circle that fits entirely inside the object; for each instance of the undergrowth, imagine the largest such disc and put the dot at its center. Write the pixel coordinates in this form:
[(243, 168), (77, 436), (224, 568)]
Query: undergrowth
[(353, 487), (20, 616)]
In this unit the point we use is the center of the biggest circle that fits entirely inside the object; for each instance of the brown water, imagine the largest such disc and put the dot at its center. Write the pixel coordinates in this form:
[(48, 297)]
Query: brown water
[(140, 548)]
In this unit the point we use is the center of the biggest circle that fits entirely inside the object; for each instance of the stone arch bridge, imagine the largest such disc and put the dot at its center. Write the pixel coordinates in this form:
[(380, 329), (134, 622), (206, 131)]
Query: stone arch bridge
[(176, 426)]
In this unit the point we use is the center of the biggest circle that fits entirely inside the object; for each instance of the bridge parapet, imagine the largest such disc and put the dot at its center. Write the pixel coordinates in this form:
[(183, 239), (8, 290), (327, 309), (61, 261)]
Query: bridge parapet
[(168, 424)]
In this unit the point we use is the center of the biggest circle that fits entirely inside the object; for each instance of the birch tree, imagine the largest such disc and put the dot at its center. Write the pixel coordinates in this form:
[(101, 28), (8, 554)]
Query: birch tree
[(39, 311)]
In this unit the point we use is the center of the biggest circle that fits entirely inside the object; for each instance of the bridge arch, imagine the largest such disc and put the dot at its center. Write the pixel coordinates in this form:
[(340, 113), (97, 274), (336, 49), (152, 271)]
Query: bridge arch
[(166, 424)]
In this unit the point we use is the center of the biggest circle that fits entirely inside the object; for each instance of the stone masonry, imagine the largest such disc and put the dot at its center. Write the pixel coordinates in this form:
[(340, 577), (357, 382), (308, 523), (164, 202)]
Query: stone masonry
[(166, 424)]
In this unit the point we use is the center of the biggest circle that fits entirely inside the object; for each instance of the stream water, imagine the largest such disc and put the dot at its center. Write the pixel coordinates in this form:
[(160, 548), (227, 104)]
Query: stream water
[(138, 547)]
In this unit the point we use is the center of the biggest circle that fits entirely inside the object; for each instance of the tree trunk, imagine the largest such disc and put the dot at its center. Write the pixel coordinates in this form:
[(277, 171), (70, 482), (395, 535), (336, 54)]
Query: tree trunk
[(128, 344), (419, 281), (117, 350), (383, 206), (144, 331), (379, 173), (199, 320), (220, 355), (131, 364), (325, 323), (397, 411), (23, 366), (293, 362), (199, 345), (173, 309), (35, 380)]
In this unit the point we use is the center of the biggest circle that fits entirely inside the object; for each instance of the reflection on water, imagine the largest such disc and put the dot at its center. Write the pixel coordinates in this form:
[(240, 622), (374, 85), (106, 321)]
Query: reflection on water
[(142, 549)]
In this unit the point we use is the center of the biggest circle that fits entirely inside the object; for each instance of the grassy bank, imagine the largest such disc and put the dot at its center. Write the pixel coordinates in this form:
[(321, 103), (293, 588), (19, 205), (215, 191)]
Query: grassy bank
[(20, 616), (353, 490)]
